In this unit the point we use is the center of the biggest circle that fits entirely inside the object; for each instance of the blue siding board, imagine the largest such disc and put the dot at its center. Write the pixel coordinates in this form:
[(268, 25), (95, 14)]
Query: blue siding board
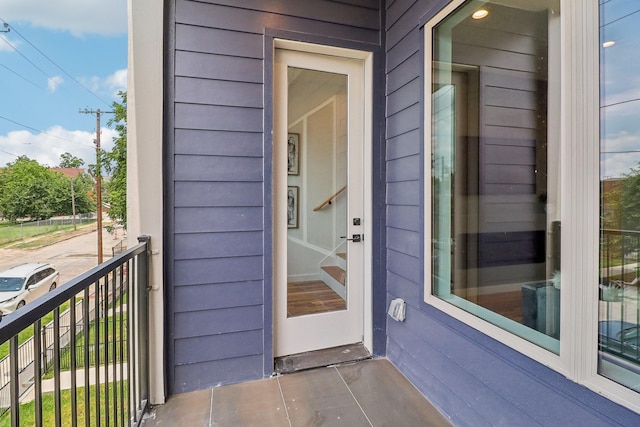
[(477, 395), (398, 286), (214, 117), (321, 10), (404, 169), (216, 347), (218, 245), (407, 23), (403, 50), (403, 145), (467, 371), (218, 270), (404, 73), (371, 4), (476, 366), (440, 394), (203, 194), (218, 295), (396, 10), (404, 193), (219, 67), (217, 322), (404, 265), (404, 121), (404, 97), (404, 241), (218, 92), (252, 21), (202, 220), (404, 217), (220, 143), (218, 168), (209, 374), (222, 42)]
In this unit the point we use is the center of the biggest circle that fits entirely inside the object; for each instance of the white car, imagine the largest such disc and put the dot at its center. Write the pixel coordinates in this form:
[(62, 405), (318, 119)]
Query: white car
[(24, 283)]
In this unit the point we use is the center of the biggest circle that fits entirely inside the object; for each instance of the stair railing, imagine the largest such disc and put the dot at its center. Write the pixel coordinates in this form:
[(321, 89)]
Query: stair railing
[(329, 199)]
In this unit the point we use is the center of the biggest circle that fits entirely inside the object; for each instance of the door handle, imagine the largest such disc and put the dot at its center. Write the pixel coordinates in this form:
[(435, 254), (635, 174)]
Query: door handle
[(354, 238)]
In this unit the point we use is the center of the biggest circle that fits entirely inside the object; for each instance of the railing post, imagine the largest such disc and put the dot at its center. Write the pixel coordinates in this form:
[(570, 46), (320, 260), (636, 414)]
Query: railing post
[(143, 316), (44, 349)]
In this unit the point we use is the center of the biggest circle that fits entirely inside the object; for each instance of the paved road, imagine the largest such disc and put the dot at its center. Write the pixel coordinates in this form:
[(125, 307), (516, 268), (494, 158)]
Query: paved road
[(71, 257)]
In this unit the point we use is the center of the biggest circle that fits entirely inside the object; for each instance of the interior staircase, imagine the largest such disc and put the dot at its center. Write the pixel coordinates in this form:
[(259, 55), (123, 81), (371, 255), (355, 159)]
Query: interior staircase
[(335, 276)]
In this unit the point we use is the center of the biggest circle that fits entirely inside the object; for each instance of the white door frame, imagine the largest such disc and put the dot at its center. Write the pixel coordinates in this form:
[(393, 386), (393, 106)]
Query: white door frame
[(279, 261)]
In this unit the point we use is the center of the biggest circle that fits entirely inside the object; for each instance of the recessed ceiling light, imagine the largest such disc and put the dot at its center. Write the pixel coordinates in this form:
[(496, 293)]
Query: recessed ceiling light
[(608, 44), (480, 13)]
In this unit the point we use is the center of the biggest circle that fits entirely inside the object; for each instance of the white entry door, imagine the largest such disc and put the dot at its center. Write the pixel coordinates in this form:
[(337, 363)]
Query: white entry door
[(320, 206)]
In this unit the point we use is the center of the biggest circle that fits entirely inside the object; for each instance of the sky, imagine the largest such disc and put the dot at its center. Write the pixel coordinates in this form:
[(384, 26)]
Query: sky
[(59, 57)]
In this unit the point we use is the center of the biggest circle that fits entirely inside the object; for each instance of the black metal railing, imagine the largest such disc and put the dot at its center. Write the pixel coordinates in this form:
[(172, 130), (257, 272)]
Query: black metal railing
[(80, 353), (619, 311)]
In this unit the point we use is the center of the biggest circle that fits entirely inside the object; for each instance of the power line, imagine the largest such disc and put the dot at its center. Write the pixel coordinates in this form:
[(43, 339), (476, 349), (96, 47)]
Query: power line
[(22, 77), (26, 59), (54, 63), (42, 132), (11, 154)]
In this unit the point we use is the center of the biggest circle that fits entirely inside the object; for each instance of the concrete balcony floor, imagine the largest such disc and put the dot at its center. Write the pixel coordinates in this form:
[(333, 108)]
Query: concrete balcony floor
[(366, 393)]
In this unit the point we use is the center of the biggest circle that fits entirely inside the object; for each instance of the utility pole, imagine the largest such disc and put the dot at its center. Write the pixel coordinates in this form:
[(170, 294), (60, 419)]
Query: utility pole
[(98, 176), (73, 204)]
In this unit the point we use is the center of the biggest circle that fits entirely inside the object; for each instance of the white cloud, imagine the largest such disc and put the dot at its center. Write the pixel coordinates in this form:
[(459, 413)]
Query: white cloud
[(79, 17), (47, 146), (111, 84), (625, 154), (117, 81), (53, 83)]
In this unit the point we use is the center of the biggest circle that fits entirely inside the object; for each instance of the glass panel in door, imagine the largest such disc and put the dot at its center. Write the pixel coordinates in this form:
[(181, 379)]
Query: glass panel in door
[(316, 192)]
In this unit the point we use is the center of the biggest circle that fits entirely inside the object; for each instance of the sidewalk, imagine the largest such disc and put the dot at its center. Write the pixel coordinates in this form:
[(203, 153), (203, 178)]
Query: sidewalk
[(48, 385)]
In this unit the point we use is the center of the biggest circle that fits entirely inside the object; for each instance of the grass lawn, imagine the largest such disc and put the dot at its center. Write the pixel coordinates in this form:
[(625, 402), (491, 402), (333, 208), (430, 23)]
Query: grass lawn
[(43, 234), (28, 333), (27, 410)]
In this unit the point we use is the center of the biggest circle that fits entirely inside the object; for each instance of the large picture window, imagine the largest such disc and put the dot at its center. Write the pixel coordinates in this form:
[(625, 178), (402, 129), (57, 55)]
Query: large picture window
[(619, 309), (495, 213), (532, 134)]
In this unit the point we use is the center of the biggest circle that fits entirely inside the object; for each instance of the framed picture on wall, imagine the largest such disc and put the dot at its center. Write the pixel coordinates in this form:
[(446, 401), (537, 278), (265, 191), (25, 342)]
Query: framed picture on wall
[(293, 193), (293, 154)]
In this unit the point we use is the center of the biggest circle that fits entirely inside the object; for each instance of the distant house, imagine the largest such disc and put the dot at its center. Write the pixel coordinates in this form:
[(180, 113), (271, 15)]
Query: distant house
[(442, 154), (69, 172)]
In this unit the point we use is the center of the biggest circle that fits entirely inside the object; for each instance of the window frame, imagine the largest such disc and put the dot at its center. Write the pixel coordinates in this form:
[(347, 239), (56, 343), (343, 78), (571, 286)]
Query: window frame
[(579, 157)]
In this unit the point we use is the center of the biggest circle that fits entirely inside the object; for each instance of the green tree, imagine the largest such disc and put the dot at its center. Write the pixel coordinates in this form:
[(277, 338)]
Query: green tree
[(28, 189), (67, 160), (116, 164), (629, 200), (82, 188)]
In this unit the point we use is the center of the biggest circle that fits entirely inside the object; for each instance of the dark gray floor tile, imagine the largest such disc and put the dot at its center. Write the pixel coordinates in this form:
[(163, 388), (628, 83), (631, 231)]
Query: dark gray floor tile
[(256, 403), (320, 398), (387, 397), (188, 409)]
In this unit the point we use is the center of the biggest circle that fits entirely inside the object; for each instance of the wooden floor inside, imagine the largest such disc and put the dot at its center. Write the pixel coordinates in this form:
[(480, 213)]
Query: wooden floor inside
[(507, 304), (312, 298)]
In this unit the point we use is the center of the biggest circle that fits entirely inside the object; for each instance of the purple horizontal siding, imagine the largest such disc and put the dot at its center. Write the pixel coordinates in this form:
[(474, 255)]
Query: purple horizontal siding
[(217, 199), (218, 143), (472, 378)]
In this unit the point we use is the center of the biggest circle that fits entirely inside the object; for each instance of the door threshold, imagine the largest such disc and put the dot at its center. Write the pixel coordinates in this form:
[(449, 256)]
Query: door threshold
[(321, 358)]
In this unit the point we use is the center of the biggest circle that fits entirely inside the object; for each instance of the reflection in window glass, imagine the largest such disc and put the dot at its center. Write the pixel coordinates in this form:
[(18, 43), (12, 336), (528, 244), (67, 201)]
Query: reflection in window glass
[(619, 312), (495, 170)]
